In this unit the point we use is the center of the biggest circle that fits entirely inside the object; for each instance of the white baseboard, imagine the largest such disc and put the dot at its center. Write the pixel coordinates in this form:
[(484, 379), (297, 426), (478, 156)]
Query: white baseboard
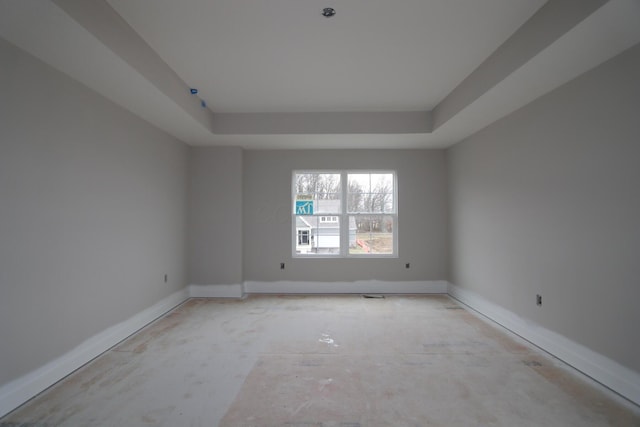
[(608, 372), (296, 287), (358, 287), (216, 291), (20, 390)]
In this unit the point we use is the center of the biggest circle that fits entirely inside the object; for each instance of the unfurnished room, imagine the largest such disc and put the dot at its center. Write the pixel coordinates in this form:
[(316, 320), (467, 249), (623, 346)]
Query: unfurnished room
[(303, 213)]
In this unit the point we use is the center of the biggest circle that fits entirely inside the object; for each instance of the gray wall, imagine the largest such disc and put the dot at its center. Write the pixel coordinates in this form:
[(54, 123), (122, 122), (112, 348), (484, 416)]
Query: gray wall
[(92, 213), (215, 216), (422, 217), (547, 201)]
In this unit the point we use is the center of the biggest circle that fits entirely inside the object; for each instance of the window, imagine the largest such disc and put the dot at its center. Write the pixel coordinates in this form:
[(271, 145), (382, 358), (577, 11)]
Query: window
[(328, 219), (345, 213), (303, 237)]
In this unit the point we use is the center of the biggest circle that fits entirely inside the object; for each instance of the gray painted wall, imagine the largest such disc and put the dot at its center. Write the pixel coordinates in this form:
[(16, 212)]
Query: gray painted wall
[(547, 201), (422, 221), (215, 216), (92, 213)]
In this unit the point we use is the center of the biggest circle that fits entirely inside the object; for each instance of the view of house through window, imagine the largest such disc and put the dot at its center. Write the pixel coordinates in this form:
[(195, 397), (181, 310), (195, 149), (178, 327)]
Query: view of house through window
[(344, 213)]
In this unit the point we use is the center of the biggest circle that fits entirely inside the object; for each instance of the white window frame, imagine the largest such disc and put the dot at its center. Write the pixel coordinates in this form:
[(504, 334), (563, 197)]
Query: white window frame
[(301, 234), (343, 215)]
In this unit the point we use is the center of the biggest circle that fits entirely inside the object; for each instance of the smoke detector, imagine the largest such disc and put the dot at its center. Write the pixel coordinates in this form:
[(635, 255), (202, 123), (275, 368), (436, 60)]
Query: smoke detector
[(328, 12)]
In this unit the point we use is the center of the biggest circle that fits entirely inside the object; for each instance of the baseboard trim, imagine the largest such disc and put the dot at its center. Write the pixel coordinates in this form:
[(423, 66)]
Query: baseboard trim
[(216, 291), (20, 390), (604, 370), (357, 287)]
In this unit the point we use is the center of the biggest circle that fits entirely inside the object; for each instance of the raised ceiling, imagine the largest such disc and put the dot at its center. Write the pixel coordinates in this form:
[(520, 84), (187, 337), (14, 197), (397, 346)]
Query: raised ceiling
[(277, 74), (257, 56)]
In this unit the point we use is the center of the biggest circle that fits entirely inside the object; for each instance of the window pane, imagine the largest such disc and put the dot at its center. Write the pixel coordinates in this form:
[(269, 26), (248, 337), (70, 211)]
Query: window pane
[(370, 193), (323, 235), (373, 234), (322, 188)]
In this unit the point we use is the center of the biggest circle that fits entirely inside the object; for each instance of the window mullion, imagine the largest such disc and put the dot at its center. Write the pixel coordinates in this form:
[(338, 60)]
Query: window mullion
[(344, 219)]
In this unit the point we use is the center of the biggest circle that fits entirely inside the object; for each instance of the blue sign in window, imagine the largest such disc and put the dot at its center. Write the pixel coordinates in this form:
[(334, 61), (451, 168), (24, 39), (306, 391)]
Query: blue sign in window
[(304, 207)]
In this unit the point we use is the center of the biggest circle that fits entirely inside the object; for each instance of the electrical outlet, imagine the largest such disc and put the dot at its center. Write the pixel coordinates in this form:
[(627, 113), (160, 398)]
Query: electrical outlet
[(538, 299), (407, 265), (282, 266)]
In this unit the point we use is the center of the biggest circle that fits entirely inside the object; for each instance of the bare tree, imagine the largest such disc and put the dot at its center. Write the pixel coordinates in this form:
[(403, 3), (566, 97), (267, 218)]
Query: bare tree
[(381, 197), (321, 185), (355, 199), (377, 200), (329, 186), (306, 183)]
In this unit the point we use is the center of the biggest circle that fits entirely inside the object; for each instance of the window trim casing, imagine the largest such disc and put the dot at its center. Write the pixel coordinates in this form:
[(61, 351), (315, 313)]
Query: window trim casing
[(343, 216)]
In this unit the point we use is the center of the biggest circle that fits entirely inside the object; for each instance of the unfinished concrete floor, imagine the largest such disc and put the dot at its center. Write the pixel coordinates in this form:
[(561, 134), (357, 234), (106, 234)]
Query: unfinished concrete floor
[(324, 361)]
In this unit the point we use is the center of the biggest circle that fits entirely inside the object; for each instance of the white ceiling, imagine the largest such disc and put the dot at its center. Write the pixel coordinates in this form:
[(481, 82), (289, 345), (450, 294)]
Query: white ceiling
[(277, 74), (284, 56)]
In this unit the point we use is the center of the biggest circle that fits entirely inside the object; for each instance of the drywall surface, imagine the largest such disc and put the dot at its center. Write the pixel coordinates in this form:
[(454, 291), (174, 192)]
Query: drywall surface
[(267, 208), (93, 205), (215, 215), (547, 201)]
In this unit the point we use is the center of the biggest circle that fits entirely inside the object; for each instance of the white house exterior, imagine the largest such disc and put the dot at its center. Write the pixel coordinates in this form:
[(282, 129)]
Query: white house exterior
[(321, 233)]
